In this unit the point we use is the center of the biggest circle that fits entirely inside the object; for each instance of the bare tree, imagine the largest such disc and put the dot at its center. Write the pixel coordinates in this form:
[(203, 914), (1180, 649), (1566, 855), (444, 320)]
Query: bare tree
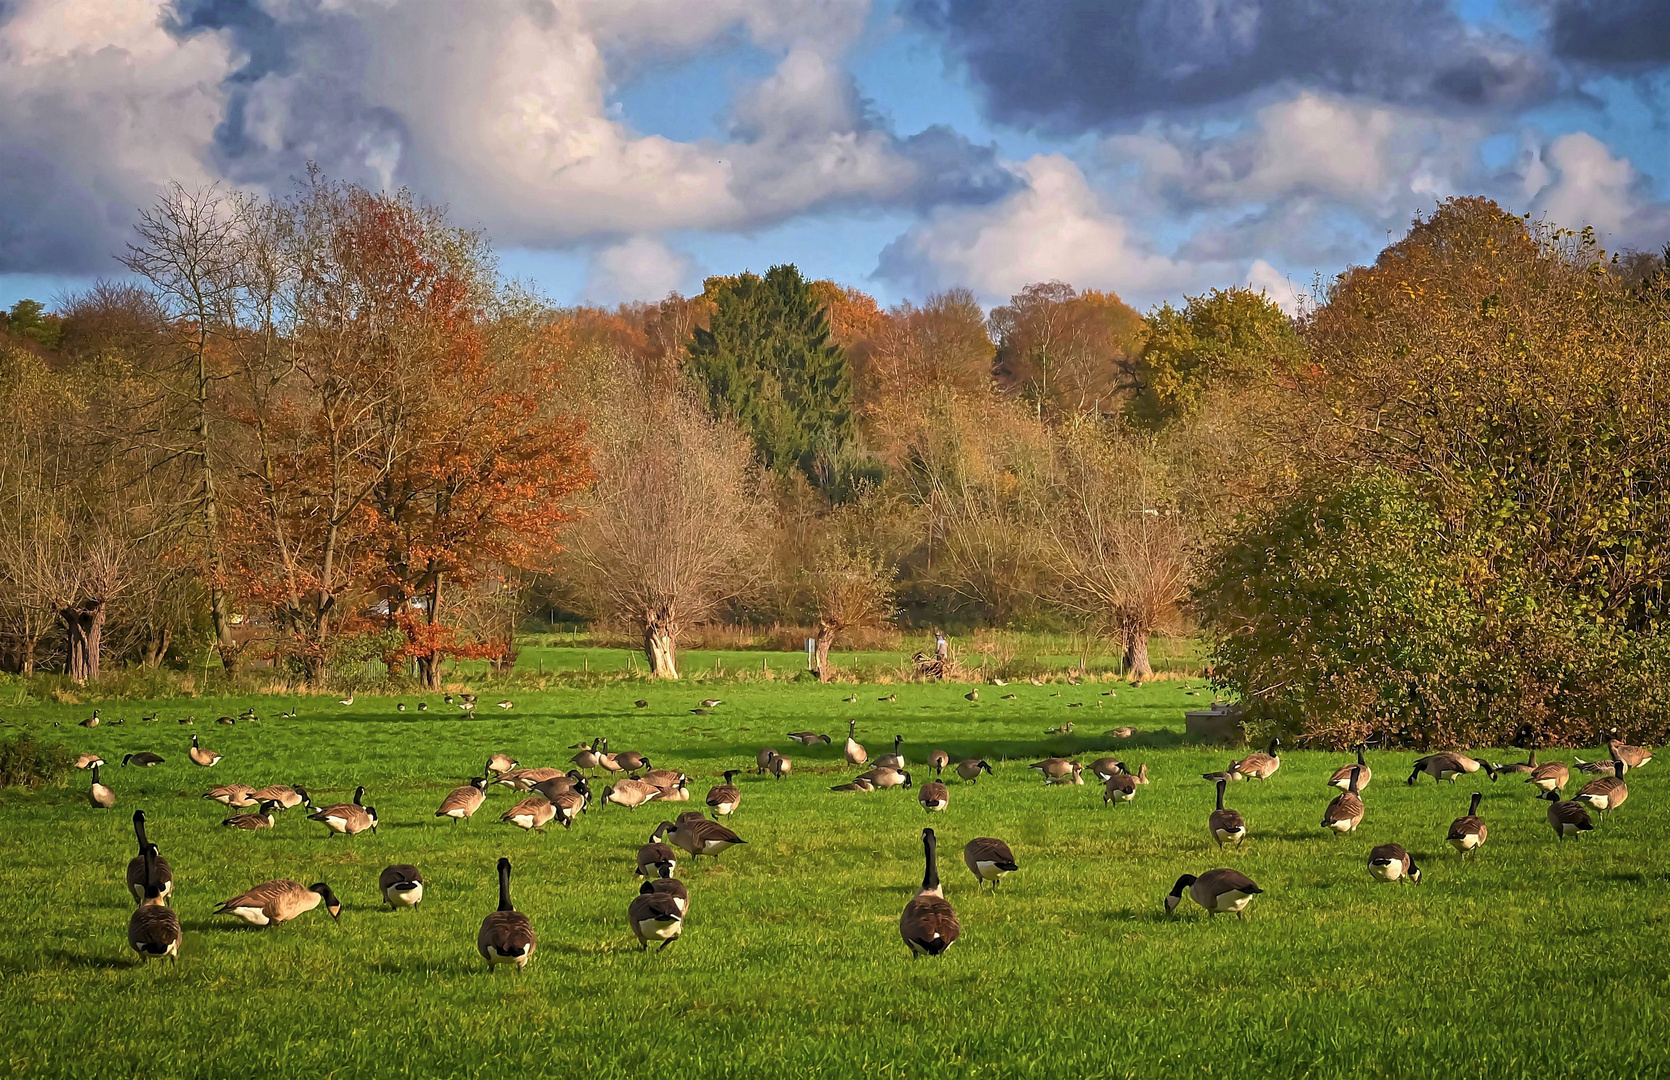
[(852, 580)]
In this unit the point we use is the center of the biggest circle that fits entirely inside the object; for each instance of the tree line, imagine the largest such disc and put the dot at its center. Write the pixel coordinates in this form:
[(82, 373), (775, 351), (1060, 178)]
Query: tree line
[(322, 428)]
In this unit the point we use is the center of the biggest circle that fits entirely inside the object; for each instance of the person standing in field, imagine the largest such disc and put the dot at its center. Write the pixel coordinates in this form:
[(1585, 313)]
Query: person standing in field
[(942, 648)]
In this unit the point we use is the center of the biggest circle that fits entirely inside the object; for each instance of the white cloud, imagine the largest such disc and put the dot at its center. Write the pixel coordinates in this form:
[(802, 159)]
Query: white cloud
[(1589, 186), (1277, 286), (638, 268)]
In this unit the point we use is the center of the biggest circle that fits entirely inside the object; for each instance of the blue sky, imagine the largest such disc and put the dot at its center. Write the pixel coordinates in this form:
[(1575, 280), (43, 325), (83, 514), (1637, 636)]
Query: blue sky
[(617, 149)]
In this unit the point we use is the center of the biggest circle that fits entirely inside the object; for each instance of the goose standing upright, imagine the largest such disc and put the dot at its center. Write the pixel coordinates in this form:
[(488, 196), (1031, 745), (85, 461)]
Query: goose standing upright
[(929, 926), (895, 760), (1226, 825), (855, 752), (101, 797), (1342, 775), (1346, 811), (153, 929), (142, 873), (506, 935), (200, 756)]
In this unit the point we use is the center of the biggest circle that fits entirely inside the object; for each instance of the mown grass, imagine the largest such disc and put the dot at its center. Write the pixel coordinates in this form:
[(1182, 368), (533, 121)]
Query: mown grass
[(1538, 958)]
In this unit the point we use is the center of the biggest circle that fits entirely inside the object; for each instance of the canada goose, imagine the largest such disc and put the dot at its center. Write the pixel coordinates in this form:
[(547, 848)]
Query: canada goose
[(890, 698), (533, 812), (668, 885), (631, 760), (988, 859), (641, 703), (227, 720), (895, 760), (1010, 697), (563, 784), (1259, 766), (499, 764), (723, 799), (91, 721), (569, 805), (928, 924), (610, 763), (1106, 768), (260, 818), (423, 706), (933, 796), (157, 873), (937, 760), (1550, 776), (711, 703), (856, 754), (631, 794), (525, 779), (808, 738), (347, 818), (1120, 733), (970, 769), (463, 802), (1468, 834), (674, 787), (1077, 776), (1346, 811), (1632, 756), (972, 695), (1602, 766), (238, 795), (1054, 768), (1122, 787), (1527, 766), (87, 761), (507, 704), (1448, 765), (1604, 793), (779, 766), (762, 760), (1226, 825), (186, 720), (857, 785), (401, 886), (101, 797), (1342, 775), (654, 853), (506, 935), (349, 700), (655, 915), (153, 930), (200, 756), (1064, 729), (1390, 862), (699, 836), (144, 759), (1567, 817), (850, 698), (887, 778), (280, 900), (588, 759), (1219, 891)]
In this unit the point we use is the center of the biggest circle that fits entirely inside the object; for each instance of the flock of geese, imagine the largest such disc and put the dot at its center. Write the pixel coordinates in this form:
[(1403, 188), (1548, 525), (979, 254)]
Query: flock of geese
[(928, 926)]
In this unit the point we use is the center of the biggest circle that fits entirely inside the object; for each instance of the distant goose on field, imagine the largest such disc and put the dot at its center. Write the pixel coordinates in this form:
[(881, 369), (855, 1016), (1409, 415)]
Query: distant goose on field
[(929, 926), (200, 756), (401, 886), (1390, 862), (1105, 768), (1226, 826), (1342, 775), (87, 761), (1122, 787), (807, 738), (889, 698), (507, 704), (153, 930), (400, 706), (711, 703), (778, 765), (850, 698), (895, 760), (972, 695), (938, 760), (280, 900), (1447, 765), (655, 916), (988, 859), (1220, 892), (1121, 732), (933, 796), (855, 752), (461, 803), (1529, 765), (144, 759), (1550, 776), (349, 700), (1632, 756), (970, 769), (423, 706), (641, 703), (101, 797), (506, 935), (1346, 811), (1567, 817), (1064, 729), (1468, 834), (157, 873), (1606, 793), (91, 721)]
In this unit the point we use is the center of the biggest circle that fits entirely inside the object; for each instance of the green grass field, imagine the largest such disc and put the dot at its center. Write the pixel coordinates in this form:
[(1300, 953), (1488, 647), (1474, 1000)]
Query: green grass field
[(1539, 958)]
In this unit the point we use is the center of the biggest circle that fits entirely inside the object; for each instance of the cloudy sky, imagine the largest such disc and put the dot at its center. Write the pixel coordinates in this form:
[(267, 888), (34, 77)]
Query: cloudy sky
[(618, 149)]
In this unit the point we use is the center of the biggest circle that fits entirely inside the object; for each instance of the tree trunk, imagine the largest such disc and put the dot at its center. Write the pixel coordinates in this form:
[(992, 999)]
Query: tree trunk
[(84, 622), (826, 638), (1136, 654), (156, 646), (660, 647)]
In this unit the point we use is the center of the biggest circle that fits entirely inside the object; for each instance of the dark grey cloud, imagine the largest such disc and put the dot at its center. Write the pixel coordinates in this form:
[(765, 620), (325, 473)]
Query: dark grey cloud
[(1611, 33), (1085, 64)]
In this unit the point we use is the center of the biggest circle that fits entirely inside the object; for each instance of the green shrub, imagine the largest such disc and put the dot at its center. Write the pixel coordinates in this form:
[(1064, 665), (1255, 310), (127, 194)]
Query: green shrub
[(25, 762)]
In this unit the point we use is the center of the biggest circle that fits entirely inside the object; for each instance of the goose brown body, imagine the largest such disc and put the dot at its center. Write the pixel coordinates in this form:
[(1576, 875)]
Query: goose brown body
[(463, 802), (723, 799), (929, 925), (158, 873), (401, 885), (933, 796), (153, 930), (1346, 811), (1390, 862), (1220, 892), (1469, 832), (506, 935), (1226, 825), (988, 859), (1342, 775), (533, 812), (280, 900)]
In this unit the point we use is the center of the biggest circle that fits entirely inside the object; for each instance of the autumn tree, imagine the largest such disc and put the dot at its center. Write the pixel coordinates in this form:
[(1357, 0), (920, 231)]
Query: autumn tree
[(851, 576), (1064, 351), (1226, 337)]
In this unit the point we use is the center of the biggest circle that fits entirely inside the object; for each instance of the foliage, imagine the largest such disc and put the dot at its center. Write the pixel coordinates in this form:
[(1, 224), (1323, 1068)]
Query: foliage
[(1063, 351), (29, 320), (29, 763), (1234, 336)]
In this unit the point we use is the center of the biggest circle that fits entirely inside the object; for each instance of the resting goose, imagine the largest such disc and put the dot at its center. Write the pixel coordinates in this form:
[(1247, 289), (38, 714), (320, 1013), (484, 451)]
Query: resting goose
[(933, 796), (887, 778), (1054, 768), (929, 926), (506, 935), (1220, 892), (1390, 862), (1259, 766), (233, 795), (144, 759), (153, 930), (1447, 765), (401, 886), (808, 738), (859, 784), (281, 900), (1122, 787), (1529, 765), (631, 793), (1106, 768), (1468, 834), (288, 797), (988, 859), (260, 818)]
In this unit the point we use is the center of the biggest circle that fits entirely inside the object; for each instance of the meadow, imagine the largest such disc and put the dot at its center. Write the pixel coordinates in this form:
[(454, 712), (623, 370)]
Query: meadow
[(1537, 957)]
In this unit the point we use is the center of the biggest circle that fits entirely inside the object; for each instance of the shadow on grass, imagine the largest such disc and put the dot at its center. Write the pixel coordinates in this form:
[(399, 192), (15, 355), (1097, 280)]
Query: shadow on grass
[(71, 958)]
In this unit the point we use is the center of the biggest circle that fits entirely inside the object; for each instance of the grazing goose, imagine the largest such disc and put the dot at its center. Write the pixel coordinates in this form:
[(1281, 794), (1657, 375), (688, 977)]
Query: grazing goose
[(347, 818), (1259, 766), (588, 759), (656, 915), (463, 802), (1606, 793), (929, 925), (711, 703), (200, 756), (1342, 775), (641, 703), (153, 930), (101, 797), (1226, 825), (938, 760), (1550, 776), (723, 799), (533, 812), (762, 760), (563, 784), (261, 818), (144, 759), (1346, 811), (1390, 862), (895, 760), (655, 853), (855, 752), (1567, 817), (1122, 787), (1106, 768), (988, 859), (699, 836), (933, 796), (274, 902), (779, 766), (1468, 834), (668, 885), (1632, 756), (1076, 776), (610, 763), (887, 778), (632, 761), (506, 935), (401, 886), (1054, 768), (569, 805), (1527, 766), (236, 795), (1219, 891), (970, 769), (1448, 765), (631, 794), (141, 874), (499, 764), (288, 797), (859, 784), (808, 738), (87, 761), (526, 779)]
